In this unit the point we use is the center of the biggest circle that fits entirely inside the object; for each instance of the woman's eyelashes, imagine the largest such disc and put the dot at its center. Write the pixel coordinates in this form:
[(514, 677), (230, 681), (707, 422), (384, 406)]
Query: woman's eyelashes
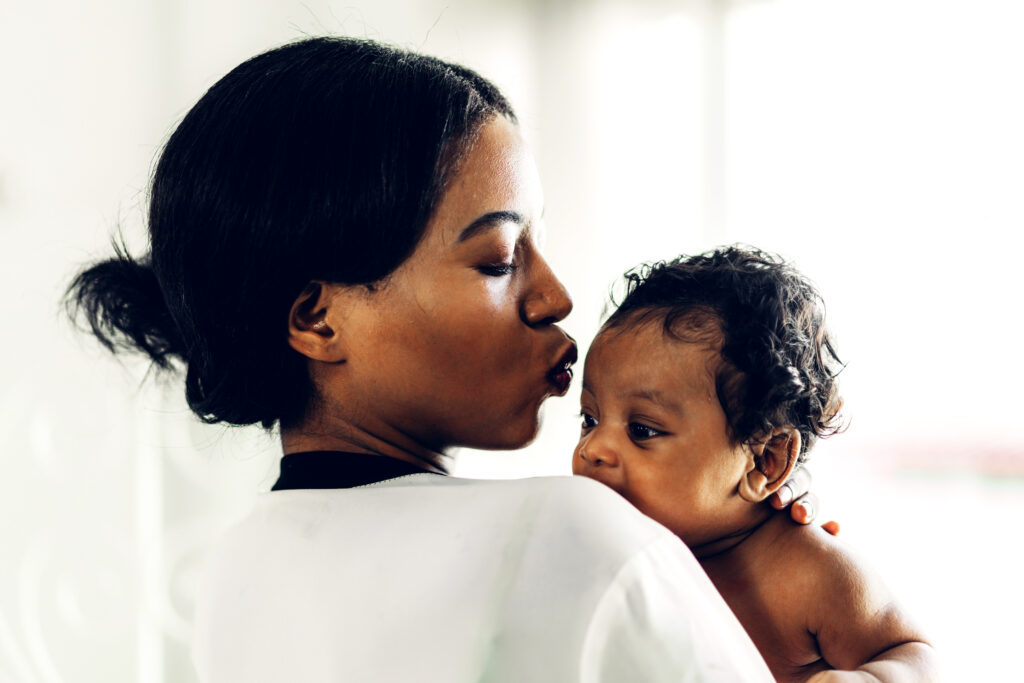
[(498, 269)]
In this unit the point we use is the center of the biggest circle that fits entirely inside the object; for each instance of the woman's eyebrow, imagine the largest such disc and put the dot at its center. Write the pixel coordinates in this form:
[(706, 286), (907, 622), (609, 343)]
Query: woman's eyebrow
[(488, 221)]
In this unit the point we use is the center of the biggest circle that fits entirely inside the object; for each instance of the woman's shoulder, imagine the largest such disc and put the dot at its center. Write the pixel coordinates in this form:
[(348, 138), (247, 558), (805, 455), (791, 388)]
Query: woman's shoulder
[(587, 515), (574, 498), (572, 488), (560, 514), (583, 499)]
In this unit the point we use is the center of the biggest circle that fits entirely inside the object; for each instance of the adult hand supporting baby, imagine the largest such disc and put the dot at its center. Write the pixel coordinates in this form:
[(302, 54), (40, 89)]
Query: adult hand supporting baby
[(803, 504)]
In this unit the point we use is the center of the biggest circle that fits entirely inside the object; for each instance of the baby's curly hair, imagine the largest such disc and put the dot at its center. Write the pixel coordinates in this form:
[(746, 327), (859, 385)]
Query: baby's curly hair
[(779, 362)]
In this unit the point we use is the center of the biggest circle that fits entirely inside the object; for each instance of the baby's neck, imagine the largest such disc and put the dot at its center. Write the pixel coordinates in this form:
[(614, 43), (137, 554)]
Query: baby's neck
[(729, 542)]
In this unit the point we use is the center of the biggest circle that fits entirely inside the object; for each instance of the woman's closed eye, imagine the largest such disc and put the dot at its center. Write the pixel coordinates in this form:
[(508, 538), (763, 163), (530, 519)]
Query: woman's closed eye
[(638, 431), (498, 269)]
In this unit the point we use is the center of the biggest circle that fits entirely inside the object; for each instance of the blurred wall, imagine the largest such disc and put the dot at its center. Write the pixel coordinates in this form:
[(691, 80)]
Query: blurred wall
[(875, 143)]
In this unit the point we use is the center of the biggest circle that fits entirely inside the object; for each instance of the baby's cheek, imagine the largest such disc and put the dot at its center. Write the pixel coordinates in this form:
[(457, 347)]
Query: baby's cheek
[(653, 502), (676, 507), (577, 467), (669, 514)]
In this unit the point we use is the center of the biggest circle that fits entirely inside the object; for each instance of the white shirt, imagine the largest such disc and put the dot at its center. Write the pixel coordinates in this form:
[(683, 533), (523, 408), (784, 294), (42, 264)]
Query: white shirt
[(428, 578)]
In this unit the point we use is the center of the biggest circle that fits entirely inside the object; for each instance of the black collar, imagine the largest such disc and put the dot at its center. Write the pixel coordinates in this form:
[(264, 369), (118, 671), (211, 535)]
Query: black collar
[(339, 470)]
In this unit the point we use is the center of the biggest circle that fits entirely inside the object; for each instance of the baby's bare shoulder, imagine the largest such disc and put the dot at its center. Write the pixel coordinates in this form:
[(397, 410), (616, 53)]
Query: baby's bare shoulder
[(837, 574), (825, 572), (805, 553), (772, 583), (841, 600)]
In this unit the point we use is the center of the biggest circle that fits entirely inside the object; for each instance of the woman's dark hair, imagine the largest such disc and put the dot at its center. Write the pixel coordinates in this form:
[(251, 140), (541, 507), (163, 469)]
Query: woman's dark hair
[(319, 160), (779, 363)]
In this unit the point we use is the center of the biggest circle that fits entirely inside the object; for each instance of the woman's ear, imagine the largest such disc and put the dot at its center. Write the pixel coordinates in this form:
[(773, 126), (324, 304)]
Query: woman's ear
[(310, 329), (770, 464)]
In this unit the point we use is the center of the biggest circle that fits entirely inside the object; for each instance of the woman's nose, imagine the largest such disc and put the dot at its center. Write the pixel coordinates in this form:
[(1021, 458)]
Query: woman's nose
[(548, 301)]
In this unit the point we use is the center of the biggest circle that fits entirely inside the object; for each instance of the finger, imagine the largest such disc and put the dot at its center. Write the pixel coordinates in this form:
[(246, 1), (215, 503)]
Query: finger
[(800, 481), (798, 484), (782, 497), (831, 527), (804, 509)]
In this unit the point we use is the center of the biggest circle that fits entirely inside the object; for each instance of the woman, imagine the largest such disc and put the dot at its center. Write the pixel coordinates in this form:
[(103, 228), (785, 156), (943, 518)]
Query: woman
[(344, 245)]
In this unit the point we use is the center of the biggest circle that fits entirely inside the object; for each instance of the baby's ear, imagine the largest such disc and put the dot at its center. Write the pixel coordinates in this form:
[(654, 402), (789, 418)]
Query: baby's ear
[(771, 460)]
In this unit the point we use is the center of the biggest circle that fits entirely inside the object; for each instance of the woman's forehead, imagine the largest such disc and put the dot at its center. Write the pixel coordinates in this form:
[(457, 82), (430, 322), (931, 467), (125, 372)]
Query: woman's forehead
[(496, 183)]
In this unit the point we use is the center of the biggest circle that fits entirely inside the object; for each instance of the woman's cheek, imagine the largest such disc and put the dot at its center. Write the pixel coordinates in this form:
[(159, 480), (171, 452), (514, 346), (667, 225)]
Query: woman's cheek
[(498, 294)]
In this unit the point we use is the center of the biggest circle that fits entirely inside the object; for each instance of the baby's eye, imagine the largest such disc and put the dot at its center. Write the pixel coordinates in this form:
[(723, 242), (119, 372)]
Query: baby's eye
[(588, 421), (641, 432)]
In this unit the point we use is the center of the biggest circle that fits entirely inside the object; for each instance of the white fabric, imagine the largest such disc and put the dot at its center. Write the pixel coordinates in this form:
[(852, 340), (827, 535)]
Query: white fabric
[(428, 578)]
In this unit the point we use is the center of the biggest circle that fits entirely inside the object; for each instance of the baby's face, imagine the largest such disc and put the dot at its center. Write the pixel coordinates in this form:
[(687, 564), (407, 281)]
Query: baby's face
[(654, 431)]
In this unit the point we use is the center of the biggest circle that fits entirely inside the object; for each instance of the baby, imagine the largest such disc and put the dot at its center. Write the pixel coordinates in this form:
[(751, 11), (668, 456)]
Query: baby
[(703, 390)]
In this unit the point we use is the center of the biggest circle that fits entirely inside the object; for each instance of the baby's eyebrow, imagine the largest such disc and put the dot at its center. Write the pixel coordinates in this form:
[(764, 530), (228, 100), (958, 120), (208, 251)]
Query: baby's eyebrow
[(655, 396)]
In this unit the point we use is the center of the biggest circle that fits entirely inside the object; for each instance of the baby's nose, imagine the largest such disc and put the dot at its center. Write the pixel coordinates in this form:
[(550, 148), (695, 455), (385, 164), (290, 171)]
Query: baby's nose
[(597, 452)]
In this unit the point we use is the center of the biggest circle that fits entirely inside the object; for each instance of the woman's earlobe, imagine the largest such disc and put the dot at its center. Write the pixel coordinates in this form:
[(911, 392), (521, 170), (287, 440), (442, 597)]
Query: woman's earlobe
[(309, 330), (770, 463)]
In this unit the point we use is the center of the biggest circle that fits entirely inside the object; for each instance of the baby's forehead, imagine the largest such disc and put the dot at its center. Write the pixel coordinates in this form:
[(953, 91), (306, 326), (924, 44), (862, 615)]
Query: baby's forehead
[(644, 351), (697, 327)]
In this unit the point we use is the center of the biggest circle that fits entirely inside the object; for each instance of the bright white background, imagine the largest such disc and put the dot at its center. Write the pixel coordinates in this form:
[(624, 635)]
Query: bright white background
[(875, 142)]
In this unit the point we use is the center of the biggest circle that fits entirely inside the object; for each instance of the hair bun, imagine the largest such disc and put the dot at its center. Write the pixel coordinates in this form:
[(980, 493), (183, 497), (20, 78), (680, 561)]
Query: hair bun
[(121, 301)]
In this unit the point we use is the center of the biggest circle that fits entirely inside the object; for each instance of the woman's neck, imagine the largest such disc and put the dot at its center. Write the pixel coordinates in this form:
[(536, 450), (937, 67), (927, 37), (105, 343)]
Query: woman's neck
[(317, 434)]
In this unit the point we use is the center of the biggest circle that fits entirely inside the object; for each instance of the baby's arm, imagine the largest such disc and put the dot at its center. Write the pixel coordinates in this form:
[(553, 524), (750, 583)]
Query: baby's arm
[(860, 629)]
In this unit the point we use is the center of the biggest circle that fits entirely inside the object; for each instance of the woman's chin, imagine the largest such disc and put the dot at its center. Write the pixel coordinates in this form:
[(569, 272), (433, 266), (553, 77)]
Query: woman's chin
[(512, 438), (505, 428)]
